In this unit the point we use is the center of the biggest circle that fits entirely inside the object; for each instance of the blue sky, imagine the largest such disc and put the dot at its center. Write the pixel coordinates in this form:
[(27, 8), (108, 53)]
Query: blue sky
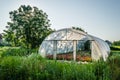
[(100, 18)]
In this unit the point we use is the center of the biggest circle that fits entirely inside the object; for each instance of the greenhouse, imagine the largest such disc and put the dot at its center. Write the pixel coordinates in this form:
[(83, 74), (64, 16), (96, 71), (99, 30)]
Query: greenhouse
[(72, 44)]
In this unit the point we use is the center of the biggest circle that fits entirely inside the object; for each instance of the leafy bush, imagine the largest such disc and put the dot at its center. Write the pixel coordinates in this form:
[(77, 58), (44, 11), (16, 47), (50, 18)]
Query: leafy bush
[(14, 66), (102, 71), (10, 68), (1, 44), (114, 63), (114, 53), (16, 51), (34, 67), (20, 68)]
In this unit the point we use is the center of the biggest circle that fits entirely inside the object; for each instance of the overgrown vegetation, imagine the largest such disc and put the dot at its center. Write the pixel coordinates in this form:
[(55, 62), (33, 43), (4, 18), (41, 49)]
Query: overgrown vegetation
[(16, 51), (33, 67), (116, 43), (116, 48)]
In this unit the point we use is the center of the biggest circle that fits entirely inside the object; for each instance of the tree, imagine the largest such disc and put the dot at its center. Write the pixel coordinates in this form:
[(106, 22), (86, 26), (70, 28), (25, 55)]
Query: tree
[(78, 28), (28, 27), (116, 43)]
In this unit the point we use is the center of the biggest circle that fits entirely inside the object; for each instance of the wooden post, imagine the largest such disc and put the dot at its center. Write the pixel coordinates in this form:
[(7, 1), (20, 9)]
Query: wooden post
[(91, 49), (74, 49), (55, 49)]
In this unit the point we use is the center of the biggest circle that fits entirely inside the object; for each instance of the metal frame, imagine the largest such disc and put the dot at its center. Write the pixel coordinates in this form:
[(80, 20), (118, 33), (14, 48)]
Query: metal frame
[(74, 47)]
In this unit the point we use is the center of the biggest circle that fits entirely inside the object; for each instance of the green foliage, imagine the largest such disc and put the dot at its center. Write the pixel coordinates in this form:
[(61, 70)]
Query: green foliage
[(78, 28), (4, 43), (115, 48), (1, 44), (34, 67), (102, 71), (114, 53), (9, 68), (28, 27), (69, 71), (114, 63), (15, 51), (116, 43), (20, 68)]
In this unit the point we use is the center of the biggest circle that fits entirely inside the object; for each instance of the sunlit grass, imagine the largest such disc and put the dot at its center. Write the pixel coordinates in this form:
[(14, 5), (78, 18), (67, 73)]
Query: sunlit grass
[(117, 46), (34, 67)]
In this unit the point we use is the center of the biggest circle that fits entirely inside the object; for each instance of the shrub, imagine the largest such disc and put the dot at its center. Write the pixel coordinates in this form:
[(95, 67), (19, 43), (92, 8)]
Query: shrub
[(10, 68), (69, 71), (114, 63), (21, 68), (102, 70), (16, 51), (34, 67)]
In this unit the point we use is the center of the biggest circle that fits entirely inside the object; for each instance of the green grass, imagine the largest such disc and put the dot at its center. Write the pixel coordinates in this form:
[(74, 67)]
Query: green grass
[(14, 65), (15, 51), (117, 47), (114, 53), (34, 67)]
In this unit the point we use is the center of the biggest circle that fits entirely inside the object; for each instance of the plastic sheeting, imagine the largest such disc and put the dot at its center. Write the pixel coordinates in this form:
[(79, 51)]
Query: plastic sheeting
[(62, 40)]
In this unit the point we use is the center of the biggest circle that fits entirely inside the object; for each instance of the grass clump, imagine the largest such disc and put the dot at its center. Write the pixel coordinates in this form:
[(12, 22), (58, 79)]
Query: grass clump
[(15, 51), (114, 63), (20, 68), (34, 67), (15, 65)]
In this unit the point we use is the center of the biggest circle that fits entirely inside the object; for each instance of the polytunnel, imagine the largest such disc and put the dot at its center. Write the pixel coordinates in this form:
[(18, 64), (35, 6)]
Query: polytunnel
[(71, 44)]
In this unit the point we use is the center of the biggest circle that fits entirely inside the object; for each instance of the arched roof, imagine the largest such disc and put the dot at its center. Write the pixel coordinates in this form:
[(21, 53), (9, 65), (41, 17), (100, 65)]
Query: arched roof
[(99, 47)]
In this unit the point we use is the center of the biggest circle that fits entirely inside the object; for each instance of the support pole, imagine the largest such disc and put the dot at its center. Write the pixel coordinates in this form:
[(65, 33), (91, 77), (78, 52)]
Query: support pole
[(91, 49), (55, 49), (74, 49)]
